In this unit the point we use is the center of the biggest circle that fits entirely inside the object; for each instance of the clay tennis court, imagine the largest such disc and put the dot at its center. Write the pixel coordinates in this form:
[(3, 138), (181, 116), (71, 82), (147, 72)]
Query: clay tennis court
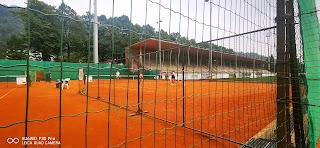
[(231, 110)]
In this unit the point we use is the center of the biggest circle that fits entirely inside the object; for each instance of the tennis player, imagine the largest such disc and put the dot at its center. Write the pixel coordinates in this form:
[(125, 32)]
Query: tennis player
[(140, 77), (29, 80), (50, 77), (173, 78), (117, 75)]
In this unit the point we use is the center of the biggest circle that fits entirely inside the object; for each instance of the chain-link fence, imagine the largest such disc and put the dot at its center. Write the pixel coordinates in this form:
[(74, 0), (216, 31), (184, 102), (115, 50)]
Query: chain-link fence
[(202, 73)]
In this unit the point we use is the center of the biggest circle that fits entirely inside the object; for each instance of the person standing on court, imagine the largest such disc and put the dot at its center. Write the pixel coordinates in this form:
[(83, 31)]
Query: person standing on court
[(140, 77), (117, 75), (50, 77), (29, 78), (173, 78), (84, 79)]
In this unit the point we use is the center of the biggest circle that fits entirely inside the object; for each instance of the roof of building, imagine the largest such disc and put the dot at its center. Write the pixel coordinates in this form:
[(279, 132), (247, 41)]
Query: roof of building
[(151, 45)]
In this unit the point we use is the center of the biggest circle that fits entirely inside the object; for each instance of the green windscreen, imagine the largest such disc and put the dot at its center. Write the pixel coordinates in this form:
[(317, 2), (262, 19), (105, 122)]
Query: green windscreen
[(310, 33), (70, 70), (9, 69)]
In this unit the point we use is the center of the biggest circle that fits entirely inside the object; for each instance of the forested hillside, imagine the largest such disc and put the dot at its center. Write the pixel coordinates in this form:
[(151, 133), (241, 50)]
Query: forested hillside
[(9, 25), (46, 34)]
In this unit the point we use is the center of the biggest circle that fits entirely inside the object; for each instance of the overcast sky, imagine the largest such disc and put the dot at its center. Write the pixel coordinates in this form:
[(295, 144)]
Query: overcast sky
[(227, 18)]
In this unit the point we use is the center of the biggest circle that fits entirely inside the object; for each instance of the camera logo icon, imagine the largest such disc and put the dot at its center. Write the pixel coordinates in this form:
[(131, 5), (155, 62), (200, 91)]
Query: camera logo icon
[(13, 140)]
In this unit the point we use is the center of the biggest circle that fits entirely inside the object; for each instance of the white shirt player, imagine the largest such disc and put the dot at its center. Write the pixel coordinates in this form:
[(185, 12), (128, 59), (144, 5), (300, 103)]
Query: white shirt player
[(140, 76), (117, 74)]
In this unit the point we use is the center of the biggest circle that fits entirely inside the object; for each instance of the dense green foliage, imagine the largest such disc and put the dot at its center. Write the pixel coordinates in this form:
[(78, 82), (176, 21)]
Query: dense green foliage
[(9, 25), (46, 32)]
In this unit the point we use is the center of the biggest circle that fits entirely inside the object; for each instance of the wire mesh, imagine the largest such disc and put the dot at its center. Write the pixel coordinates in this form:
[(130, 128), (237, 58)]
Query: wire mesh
[(170, 74)]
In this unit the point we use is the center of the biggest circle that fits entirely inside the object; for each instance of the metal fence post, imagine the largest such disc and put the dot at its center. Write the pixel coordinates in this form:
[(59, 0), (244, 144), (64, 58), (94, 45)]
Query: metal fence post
[(281, 70)]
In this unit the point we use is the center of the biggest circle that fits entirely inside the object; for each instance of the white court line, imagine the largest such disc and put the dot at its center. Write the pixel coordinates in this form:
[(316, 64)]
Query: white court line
[(52, 95), (7, 93), (46, 96)]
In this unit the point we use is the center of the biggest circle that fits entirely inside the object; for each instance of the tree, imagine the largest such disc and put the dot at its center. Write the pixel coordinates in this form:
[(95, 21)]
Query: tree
[(149, 30), (104, 44), (192, 41), (2, 52), (75, 35), (44, 30), (102, 18), (9, 25), (16, 48), (122, 36), (164, 34), (175, 36)]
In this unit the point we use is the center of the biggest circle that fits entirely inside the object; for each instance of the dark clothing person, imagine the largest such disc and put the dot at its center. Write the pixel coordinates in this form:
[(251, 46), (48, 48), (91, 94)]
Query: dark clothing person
[(50, 77)]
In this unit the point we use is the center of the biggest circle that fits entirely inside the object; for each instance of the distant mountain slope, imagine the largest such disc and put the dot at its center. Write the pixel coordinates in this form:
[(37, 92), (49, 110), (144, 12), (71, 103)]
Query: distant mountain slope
[(9, 25)]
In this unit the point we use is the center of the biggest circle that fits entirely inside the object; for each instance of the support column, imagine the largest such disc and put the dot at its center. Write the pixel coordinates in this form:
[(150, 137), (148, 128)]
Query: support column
[(294, 70), (140, 56), (95, 35), (281, 80), (197, 57)]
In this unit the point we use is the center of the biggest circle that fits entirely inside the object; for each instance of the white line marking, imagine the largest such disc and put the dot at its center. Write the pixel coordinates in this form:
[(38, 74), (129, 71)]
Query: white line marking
[(7, 93), (47, 96)]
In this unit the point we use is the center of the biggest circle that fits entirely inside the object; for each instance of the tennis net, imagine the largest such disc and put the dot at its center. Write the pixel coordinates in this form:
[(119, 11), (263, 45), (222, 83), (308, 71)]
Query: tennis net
[(9, 81)]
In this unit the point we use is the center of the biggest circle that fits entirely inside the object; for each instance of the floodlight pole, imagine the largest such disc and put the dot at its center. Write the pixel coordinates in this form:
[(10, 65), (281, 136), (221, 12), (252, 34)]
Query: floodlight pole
[(95, 34), (159, 38), (95, 43), (98, 82), (183, 91), (210, 47), (268, 36)]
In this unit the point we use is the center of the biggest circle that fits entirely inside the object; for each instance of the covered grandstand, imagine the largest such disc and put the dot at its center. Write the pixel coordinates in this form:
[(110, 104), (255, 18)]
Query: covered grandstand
[(195, 61)]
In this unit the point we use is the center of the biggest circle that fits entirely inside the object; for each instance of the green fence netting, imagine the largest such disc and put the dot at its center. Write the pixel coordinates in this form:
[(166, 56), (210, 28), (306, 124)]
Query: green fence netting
[(310, 32), (70, 70)]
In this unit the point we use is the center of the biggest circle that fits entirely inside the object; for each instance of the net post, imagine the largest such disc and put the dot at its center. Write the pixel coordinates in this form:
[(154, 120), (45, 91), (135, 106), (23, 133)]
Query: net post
[(28, 69), (99, 98), (183, 91), (139, 111), (79, 79), (287, 81), (297, 107), (281, 70)]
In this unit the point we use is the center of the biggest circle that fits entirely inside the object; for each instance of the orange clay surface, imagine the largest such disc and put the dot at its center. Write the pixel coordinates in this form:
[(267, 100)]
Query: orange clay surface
[(231, 110)]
